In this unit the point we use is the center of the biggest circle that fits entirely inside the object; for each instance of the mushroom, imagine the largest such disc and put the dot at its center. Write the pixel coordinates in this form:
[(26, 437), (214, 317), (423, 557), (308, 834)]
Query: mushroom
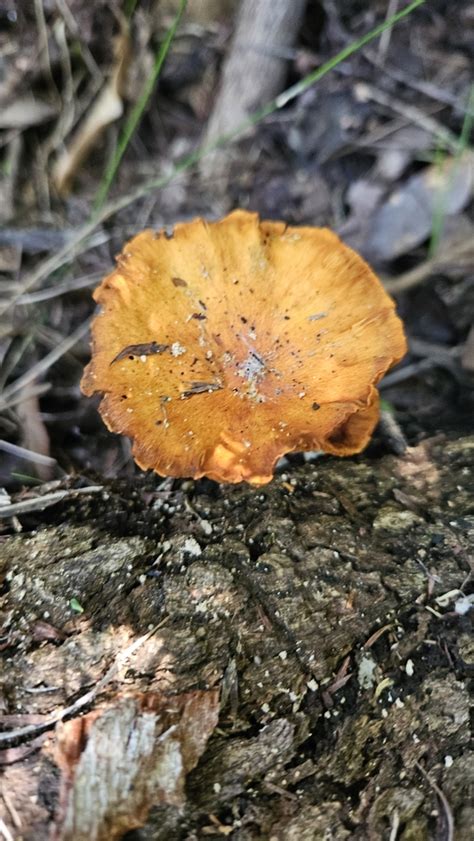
[(224, 345)]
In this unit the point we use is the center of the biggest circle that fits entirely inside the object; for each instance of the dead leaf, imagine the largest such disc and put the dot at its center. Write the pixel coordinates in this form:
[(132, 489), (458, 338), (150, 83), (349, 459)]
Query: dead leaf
[(127, 757), (107, 108), (398, 151), (406, 219), (42, 631), (35, 435)]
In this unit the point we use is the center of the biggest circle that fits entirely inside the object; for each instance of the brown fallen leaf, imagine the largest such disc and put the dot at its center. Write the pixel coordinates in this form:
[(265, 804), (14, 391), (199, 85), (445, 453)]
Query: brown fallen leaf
[(126, 757), (405, 220), (42, 631), (34, 436), (107, 108)]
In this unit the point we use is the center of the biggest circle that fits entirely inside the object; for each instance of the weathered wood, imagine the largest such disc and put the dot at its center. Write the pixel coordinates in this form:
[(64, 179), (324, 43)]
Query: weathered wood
[(255, 68), (326, 608)]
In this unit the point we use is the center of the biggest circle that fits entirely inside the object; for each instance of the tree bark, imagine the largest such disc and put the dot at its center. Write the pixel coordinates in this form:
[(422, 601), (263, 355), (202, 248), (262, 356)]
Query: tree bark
[(327, 613)]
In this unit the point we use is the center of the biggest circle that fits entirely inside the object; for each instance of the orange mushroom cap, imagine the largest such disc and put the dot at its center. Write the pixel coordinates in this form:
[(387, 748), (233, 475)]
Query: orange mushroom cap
[(227, 344)]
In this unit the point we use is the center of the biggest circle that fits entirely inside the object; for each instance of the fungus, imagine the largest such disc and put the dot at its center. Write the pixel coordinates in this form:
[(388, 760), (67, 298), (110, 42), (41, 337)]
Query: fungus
[(225, 346)]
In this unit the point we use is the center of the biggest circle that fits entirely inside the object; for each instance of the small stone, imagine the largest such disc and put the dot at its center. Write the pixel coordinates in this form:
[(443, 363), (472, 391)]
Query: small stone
[(392, 519), (192, 547)]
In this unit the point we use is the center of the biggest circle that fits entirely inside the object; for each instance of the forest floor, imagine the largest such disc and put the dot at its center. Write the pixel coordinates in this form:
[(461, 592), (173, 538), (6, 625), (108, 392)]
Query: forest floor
[(185, 660)]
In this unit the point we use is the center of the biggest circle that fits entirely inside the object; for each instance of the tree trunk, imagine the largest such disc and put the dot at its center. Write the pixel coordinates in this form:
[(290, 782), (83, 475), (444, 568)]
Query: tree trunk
[(287, 662)]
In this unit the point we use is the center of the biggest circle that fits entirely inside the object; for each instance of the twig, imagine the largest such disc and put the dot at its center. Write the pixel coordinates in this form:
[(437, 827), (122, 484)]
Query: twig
[(74, 29), (66, 115), (9, 756), (395, 825), (392, 432), (374, 137), (34, 391), (43, 39), (6, 834), (62, 288), (39, 503), (406, 372), (430, 350), (29, 455), (376, 635), (455, 252), (443, 799), (44, 364), (385, 38), (426, 88), (365, 92), (16, 820)]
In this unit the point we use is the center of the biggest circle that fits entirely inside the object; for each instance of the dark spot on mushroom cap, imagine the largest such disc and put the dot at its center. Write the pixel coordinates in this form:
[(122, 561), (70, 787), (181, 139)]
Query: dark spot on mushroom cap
[(178, 281), (145, 349)]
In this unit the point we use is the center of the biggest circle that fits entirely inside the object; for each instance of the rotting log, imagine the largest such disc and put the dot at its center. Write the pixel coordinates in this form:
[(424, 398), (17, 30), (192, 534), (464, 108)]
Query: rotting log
[(287, 662)]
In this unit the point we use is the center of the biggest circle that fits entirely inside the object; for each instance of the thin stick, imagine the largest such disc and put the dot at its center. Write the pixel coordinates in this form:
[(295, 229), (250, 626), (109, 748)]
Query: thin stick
[(386, 36), (5, 832), (39, 503), (455, 251), (62, 288), (16, 820), (29, 455), (415, 115), (443, 799), (44, 364)]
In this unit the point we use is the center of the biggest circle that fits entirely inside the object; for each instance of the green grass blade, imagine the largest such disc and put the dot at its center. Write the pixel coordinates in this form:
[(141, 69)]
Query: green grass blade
[(138, 109)]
